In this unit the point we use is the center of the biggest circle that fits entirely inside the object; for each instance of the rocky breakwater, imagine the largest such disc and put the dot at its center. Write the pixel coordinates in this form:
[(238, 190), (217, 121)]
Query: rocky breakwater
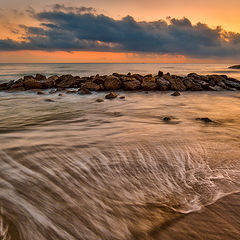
[(128, 82)]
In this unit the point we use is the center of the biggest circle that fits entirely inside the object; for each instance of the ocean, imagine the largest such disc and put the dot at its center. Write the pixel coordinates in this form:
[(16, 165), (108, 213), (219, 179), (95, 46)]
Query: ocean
[(73, 168)]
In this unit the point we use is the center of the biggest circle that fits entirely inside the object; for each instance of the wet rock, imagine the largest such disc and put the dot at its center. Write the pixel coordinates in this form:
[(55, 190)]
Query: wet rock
[(167, 119), (122, 97), (28, 77), (49, 100), (232, 84), (132, 85), (215, 88), (90, 85), (111, 95), (84, 91), (99, 100), (71, 91), (60, 94), (194, 75), (149, 84), (17, 84), (31, 83), (177, 84), (40, 77), (52, 91), (112, 83), (50, 82), (137, 77), (163, 84), (4, 86), (176, 94), (189, 83), (40, 93), (205, 120), (66, 81), (99, 80)]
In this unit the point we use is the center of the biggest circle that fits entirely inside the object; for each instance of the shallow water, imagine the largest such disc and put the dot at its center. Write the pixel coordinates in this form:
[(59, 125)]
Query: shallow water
[(77, 169)]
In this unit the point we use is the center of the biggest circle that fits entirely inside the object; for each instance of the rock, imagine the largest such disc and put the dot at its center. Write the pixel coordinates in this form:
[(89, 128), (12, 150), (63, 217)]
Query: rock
[(177, 84), (40, 93), (66, 81), (149, 83), (50, 82), (40, 77), (122, 97), (205, 120), (215, 88), (70, 91), (235, 67), (128, 78), (83, 91), (60, 94), (163, 84), (132, 85), (166, 119), (111, 95), (52, 91), (137, 77), (189, 83), (176, 94), (232, 84), (112, 83), (28, 77), (99, 80), (3, 86), (90, 85), (129, 74), (31, 83), (194, 75), (49, 100), (160, 73), (99, 100), (18, 84)]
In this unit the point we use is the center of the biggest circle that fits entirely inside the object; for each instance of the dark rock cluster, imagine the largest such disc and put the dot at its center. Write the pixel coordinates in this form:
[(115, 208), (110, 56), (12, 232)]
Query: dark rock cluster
[(129, 82)]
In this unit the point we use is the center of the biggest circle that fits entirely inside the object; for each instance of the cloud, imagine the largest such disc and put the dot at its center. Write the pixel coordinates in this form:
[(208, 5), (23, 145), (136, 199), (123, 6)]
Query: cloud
[(81, 29)]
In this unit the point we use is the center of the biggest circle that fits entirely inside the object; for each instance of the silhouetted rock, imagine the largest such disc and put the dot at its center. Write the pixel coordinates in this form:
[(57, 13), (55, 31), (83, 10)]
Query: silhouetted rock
[(160, 73), (235, 67)]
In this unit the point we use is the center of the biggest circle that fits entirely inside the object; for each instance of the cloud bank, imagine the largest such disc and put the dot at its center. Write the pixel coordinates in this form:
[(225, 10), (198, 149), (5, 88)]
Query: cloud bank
[(82, 29)]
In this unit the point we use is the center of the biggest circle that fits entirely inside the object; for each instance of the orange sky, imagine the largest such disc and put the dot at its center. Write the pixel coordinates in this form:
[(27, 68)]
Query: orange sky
[(214, 13)]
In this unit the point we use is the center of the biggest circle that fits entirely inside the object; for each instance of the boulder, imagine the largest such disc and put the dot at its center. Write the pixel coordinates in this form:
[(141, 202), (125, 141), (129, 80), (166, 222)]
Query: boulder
[(18, 84), (111, 95), (177, 84), (99, 100), (112, 83), (132, 85), (215, 88), (50, 82), (31, 83), (232, 84), (83, 91), (90, 85), (149, 83), (99, 80), (40, 77), (189, 83), (163, 84), (66, 81)]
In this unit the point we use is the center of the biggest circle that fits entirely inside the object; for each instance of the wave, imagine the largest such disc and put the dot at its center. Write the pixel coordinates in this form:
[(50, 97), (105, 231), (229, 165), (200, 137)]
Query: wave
[(119, 192)]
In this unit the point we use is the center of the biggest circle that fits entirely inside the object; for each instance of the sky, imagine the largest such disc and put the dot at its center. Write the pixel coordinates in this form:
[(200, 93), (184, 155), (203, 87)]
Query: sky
[(120, 31)]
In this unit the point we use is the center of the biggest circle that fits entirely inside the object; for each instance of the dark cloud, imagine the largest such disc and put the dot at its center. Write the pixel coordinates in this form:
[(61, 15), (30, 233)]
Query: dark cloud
[(68, 28)]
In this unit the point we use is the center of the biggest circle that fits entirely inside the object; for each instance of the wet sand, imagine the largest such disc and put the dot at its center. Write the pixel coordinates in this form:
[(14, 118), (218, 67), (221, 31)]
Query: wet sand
[(219, 221)]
